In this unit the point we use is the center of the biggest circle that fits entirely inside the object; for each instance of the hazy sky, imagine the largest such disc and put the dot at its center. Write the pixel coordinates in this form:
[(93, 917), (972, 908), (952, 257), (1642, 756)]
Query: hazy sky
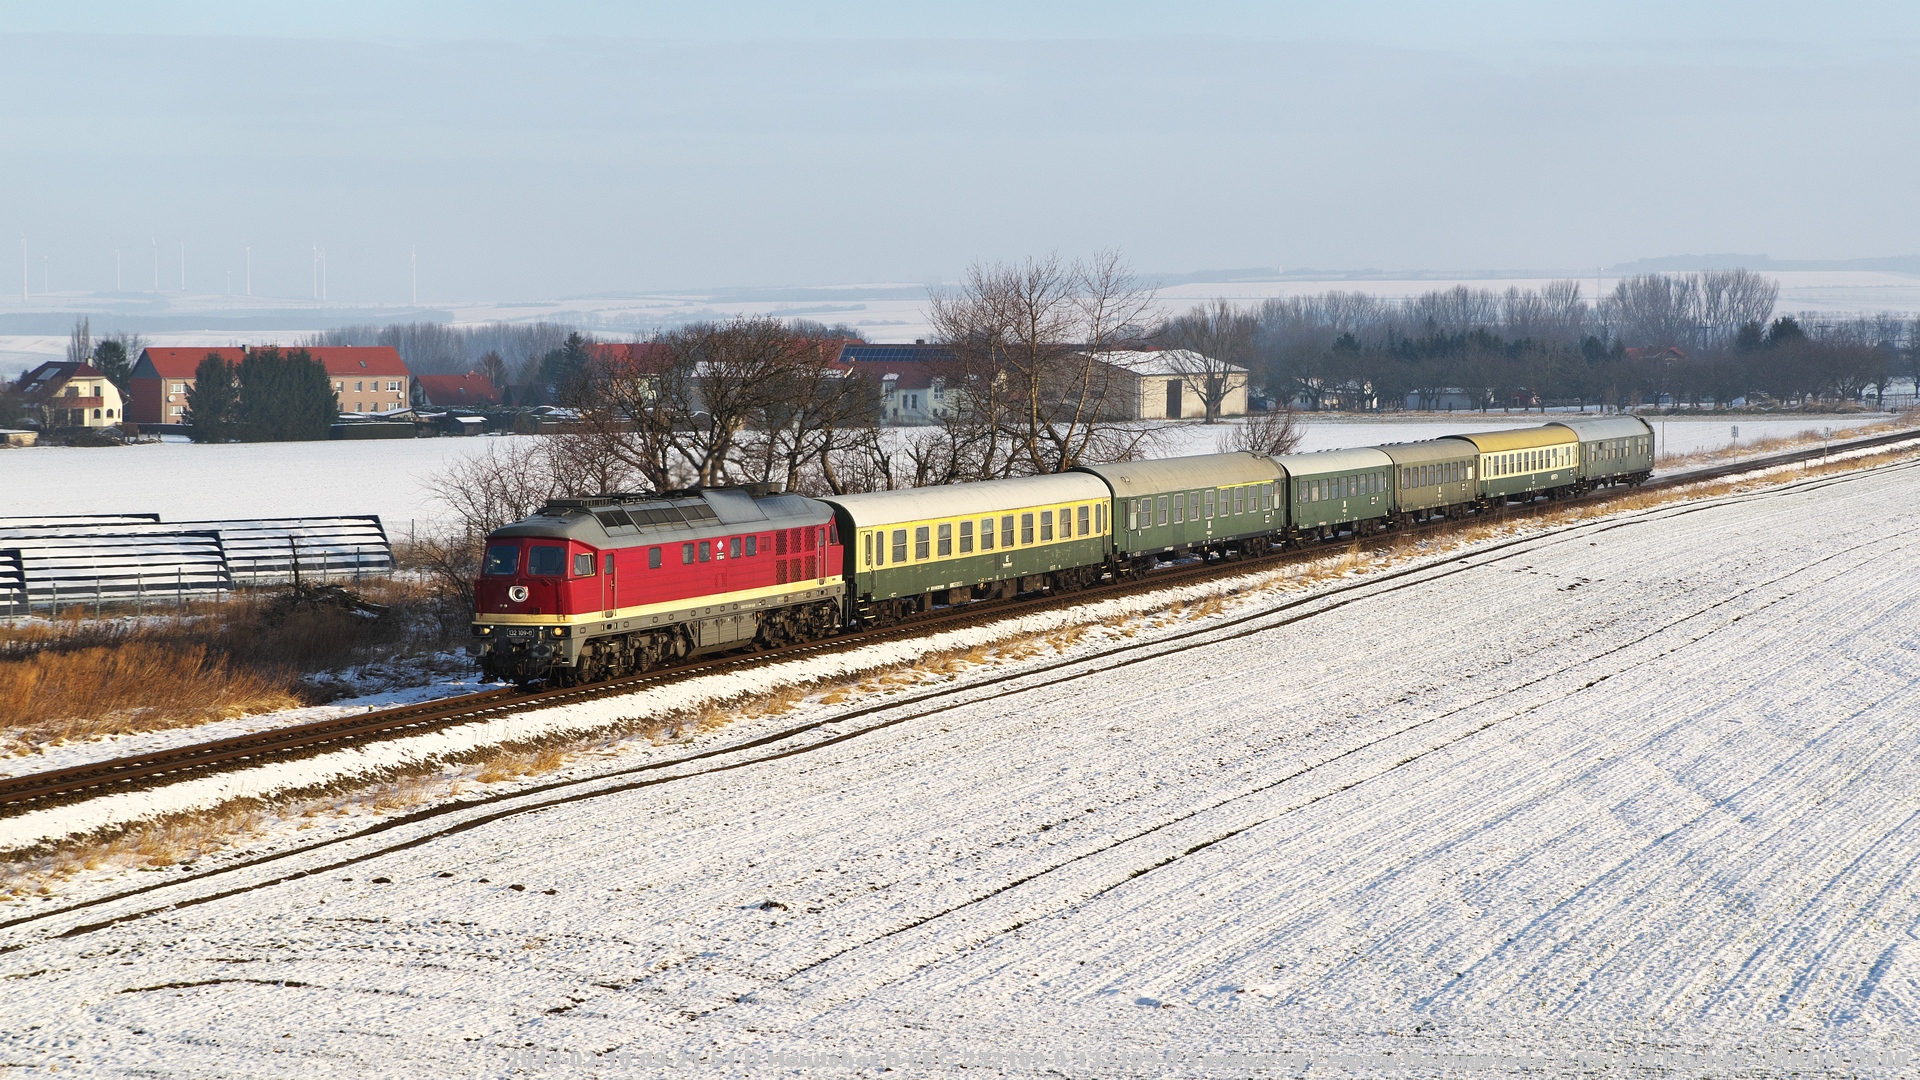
[(543, 150)]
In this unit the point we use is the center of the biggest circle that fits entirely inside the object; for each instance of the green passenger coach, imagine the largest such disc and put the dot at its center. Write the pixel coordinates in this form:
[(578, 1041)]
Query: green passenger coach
[(1613, 449), (1173, 506), (1332, 488), (911, 550)]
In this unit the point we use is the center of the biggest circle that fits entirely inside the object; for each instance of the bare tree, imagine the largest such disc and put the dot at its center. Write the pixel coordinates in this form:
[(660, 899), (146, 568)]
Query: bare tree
[(80, 344), (1030, 389), (1207, 347), (1271, 432)]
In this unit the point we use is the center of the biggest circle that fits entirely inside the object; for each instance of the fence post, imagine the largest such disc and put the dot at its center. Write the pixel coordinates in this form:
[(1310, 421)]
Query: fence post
[(179, 588), (356, 564), (140, 592), (96, 597)]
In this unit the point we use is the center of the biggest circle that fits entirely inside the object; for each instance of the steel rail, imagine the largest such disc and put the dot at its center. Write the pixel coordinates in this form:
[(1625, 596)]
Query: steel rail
[(20, 794)]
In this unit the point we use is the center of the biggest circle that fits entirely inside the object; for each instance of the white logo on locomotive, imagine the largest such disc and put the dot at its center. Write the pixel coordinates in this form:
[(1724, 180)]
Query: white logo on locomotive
[(517, 593)]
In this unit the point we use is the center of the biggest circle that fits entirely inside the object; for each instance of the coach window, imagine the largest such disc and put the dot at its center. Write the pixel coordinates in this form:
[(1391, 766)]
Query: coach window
[(966, 537), (1133, 514), (899, 545), (946, 538), (582, 564), (1179, 507), (1026, 528), (1006, 531), (986, 534), (1046, 525), (1208, 502), (920, 541), (1086, 520), (1163, 510), (1066, 522), (1100, 518)]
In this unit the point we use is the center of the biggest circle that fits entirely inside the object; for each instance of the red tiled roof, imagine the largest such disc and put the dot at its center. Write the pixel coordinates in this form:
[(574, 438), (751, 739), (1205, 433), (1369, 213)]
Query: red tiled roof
[(472, 388), (641, 355), (342, 361)]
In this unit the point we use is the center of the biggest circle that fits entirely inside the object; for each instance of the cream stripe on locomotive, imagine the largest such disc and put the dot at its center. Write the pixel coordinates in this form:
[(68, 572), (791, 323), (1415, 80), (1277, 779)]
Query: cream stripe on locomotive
[(691, 604), (935, 539)]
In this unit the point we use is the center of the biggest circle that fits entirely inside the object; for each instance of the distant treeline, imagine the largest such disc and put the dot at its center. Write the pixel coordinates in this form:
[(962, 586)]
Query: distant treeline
[(1687, 338)]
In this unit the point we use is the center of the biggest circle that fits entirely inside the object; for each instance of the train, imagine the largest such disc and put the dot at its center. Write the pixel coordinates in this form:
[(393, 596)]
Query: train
[(595, 588)]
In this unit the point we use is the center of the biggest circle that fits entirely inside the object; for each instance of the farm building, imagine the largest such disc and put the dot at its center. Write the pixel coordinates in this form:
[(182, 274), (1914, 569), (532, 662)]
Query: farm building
[(1171, 384)]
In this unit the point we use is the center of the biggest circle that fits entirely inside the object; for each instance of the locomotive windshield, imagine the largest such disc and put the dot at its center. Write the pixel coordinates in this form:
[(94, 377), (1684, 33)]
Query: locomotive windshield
[(502, 560), (544, 560)]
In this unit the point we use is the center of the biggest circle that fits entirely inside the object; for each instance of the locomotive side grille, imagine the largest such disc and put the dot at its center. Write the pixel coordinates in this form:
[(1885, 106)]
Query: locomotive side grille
[(780, 571), (808, 534), (780, 543), (813, 563)]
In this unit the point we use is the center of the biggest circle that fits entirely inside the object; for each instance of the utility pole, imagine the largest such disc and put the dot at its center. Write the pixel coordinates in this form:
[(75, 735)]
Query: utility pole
[(323, 275)]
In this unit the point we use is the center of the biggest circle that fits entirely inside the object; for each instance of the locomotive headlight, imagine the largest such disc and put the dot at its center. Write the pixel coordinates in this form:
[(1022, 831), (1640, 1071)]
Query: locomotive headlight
[(559, 631)]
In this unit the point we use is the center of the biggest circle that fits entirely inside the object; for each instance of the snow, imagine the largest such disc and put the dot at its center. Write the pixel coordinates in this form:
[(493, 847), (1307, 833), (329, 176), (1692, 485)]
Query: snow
[(393, 478), (1638, 794)]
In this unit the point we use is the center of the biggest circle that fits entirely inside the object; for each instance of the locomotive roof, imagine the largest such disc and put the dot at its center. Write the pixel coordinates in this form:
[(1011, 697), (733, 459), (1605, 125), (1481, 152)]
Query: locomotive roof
[(1135, 478), (960, 500), (1596, 428), (691, 515)]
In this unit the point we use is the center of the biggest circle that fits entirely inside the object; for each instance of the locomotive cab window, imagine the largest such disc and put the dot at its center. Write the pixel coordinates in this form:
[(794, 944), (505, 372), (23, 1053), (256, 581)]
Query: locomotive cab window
[(653, 558), (502, 560), (686, 554), (733, 548), (583, 564), (706, 551), (544, 560), (753, 546)]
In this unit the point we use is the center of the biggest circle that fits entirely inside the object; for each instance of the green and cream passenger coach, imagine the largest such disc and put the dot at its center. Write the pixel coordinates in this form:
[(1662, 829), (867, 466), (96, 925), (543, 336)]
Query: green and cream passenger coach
[(915, 549)]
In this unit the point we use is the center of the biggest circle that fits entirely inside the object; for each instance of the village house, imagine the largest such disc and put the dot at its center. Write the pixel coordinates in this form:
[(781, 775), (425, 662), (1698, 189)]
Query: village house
[(365, 379), (912, 380), (72, 395)]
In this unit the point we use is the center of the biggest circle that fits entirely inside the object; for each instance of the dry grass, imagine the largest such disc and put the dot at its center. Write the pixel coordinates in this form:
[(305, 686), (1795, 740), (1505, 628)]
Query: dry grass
[(76, 677), (138, 685)]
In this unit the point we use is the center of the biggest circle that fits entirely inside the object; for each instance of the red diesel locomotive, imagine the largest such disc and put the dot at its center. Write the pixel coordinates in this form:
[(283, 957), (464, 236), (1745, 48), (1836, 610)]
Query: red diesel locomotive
[(599, 587)]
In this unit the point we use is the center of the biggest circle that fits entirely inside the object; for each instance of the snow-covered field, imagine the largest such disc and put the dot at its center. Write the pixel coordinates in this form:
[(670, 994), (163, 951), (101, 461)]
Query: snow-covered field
[(1640, 795), (182, 481)]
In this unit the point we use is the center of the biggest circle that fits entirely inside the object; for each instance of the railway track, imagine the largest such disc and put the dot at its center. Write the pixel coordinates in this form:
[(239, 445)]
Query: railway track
[(427, 825), (21, 794)]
